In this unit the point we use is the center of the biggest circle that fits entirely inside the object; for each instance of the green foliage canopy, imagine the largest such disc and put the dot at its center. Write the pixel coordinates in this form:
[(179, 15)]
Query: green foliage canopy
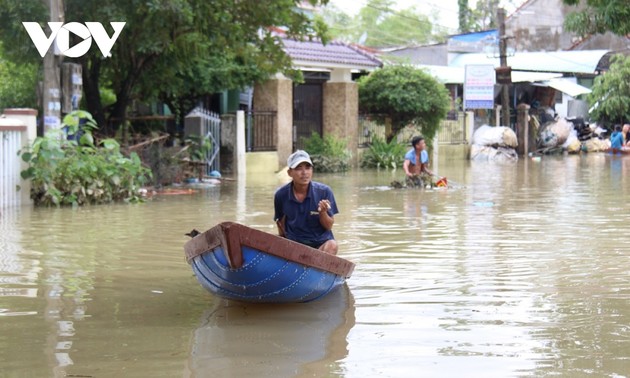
[(170, 50), (610, 94), (484, 16), (18, 83), (598, 17), (378, 25), (405, 95)]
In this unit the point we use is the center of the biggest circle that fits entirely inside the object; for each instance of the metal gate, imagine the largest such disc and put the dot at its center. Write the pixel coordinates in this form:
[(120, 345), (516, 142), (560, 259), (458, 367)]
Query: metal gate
[(209, 126), (307, 111), (261, 131)]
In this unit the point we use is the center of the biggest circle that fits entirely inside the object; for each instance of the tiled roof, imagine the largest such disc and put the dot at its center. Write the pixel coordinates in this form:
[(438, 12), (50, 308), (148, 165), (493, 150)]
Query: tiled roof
[(334, 54)]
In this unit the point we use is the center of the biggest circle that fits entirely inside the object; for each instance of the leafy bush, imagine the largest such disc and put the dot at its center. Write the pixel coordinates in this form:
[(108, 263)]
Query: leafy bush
[(67, 171), (383, 154), (406, 95), (329, 154), (610, 99)]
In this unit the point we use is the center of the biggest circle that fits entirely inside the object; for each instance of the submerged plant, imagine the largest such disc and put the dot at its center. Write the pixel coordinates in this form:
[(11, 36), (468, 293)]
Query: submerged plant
[(384, 155), (329, 154), (67, 167)]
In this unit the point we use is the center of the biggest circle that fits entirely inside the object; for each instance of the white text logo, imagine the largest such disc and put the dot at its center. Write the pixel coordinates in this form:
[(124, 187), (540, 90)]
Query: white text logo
[(60, 33)]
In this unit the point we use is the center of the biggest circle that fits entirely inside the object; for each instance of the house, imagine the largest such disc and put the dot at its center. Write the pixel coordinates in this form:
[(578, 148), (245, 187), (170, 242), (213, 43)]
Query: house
[(550, 66), (538, 25), (325, 103)]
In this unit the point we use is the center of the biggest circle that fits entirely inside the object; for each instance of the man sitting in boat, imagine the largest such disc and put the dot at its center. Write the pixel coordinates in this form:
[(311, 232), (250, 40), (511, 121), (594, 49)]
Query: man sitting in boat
[(305, 209)]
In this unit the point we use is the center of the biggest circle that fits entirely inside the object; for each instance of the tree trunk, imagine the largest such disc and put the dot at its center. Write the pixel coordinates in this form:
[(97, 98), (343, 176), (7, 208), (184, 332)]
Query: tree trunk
[(118, 115), (91, 74)]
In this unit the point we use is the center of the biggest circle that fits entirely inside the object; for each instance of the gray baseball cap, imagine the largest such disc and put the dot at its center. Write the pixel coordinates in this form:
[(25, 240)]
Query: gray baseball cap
[(298, 157)]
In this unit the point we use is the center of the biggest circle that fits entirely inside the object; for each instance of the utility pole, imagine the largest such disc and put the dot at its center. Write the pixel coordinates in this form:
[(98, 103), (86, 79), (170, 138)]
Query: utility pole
[(505, 95), (51, 88)]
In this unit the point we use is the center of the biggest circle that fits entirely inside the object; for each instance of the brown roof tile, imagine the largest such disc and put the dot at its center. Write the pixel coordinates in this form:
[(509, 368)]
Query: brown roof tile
[(334, 54)]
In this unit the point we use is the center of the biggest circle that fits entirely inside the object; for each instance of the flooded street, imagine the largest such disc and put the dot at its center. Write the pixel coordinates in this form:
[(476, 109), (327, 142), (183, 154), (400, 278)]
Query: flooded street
[(518, 270)]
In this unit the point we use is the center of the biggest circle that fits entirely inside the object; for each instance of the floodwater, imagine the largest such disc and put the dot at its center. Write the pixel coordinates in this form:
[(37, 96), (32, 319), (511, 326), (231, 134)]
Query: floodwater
[(517, 270)]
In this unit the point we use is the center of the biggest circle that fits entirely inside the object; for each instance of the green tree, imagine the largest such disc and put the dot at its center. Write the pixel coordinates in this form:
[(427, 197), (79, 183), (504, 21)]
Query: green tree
[(405, 95), (598, 17), (378, 25), (611, 92), (175, 49), (463, 14), (18, 84), (484, 16)]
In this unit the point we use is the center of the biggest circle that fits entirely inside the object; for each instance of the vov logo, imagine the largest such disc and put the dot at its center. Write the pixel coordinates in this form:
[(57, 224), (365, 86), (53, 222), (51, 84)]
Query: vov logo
[(60, 34)]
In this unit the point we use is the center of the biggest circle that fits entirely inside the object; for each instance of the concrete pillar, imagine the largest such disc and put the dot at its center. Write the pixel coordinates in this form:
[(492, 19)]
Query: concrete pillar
[(469, 118), (522, 129), (276, 95), (433, 162), (340, 114), (29, 118), (193, 125), (239, 151)]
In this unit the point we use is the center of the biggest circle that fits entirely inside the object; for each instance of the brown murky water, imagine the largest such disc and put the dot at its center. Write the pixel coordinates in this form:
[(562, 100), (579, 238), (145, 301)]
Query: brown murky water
[(519, 270)]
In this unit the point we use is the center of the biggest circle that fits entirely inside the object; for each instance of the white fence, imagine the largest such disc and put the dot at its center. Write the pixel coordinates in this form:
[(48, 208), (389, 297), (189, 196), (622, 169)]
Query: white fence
[(10, 144), (18, 128)]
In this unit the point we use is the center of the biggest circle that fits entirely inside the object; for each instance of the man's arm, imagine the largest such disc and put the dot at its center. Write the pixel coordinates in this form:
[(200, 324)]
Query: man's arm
[(406, 167), (425, 168), (280, 224)]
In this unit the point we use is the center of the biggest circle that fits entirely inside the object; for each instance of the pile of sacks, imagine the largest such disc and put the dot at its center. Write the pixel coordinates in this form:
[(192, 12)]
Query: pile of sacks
[(572, 135), (496, 143)]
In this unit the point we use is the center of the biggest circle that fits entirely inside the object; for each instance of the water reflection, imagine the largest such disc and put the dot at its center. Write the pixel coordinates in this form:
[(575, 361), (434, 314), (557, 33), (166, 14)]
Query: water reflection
[(262, 340), (521, 270)]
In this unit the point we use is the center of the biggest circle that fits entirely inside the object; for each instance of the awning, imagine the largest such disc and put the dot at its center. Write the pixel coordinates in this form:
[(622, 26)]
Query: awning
[(521, 77), (584, 61), (456, 75), (565, 86)]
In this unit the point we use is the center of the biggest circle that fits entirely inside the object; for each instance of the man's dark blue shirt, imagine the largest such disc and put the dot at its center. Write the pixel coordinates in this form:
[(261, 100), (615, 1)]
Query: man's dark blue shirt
[(302, 218)]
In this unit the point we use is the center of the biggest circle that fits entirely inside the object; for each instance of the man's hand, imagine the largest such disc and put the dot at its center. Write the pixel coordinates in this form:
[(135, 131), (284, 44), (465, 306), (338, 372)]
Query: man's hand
[(323, 206)]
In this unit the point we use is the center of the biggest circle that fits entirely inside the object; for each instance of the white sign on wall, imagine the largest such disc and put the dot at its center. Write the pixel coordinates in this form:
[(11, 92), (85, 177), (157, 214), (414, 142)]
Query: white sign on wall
[(479, 86)]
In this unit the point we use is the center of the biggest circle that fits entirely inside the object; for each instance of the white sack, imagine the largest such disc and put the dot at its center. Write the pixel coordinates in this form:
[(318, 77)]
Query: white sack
[(495, 136)]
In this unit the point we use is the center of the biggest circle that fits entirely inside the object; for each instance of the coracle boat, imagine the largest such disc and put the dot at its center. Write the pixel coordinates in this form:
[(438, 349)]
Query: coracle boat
[(240, 263)]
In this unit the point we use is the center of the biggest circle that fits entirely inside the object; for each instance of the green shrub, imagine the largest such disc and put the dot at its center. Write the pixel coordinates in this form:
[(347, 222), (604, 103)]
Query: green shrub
[(384, 155), (329, 154), (77, 172)]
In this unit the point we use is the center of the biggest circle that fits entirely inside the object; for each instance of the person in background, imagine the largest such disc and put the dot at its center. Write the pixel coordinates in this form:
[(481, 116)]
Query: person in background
[(626, 134), (616, 140), (305, 209), (416, 164)]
